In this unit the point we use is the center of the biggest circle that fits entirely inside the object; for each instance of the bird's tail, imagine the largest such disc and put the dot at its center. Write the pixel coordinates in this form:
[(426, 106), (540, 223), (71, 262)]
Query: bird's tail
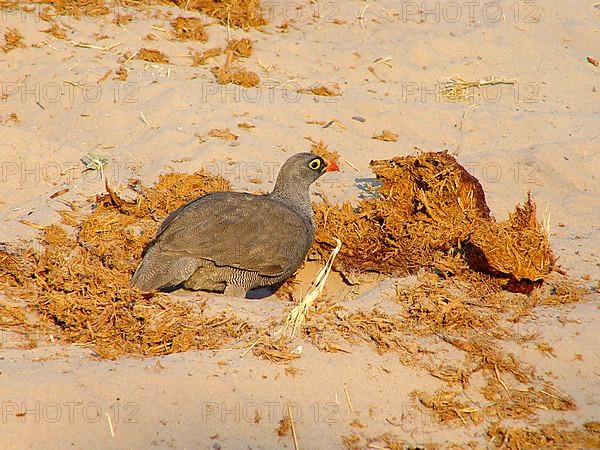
[(158, 271)]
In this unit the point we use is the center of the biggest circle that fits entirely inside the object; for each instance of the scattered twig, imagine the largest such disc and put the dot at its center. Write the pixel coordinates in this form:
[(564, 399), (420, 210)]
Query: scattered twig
[(289, 411), (297, 315), (96, 47), (500, 380), (110, 425), (348, 398), (456, 89), (351, 165), (250, 348)]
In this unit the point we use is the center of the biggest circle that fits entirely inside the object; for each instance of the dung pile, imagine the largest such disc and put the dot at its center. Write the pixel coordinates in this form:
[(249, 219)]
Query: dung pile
[(80, 281), (428, 210)]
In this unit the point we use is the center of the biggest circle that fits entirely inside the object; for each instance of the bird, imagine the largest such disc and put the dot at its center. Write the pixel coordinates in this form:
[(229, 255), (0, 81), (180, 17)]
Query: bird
[(233, 242)]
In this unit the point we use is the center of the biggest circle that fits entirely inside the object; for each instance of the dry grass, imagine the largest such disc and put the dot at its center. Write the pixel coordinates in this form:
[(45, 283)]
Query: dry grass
[(297, 316)]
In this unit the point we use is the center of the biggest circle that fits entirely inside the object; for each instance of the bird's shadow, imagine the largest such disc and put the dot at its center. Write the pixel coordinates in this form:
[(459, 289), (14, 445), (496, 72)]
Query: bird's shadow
[(254, 294), (260, 293), (368, 187)]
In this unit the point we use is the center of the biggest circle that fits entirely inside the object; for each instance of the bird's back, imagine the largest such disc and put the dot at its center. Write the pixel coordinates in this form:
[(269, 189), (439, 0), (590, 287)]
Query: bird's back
[(255, 233)]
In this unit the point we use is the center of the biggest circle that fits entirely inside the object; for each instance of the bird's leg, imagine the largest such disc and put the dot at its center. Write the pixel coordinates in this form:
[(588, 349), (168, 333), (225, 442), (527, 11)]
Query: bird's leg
[(233, 290)]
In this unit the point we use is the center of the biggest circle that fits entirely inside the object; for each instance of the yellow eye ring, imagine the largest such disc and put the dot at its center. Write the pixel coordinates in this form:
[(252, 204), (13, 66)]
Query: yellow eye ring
[(315, 164)]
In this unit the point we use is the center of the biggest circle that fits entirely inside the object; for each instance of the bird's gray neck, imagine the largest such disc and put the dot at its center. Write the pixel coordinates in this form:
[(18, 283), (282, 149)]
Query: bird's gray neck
[(297, 197)]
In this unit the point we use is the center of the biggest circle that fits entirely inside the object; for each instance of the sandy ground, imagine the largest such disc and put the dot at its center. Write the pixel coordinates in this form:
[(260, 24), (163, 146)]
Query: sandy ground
[(540, 134)]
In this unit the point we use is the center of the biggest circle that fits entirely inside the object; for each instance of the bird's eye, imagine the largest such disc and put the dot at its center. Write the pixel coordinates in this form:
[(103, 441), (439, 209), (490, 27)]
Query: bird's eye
[(315, 164)]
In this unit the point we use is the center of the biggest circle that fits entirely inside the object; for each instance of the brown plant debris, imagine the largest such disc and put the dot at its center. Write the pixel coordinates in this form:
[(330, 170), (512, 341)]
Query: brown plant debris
[(241, 48), (552, 436), (80, 281), (322, 149), (12, 39), (524, 253), (121, 74), (457, 89), (522, 402), (151, 55), (79, 8), (229, 73), (285, 426), (431, 307), (123, 19), (57, 31), (352, 442), (189, 29), (329, 90), (13, 117), (246, 126), (447, 408), (592, 427), (287, 290), (48, 14), (235, 13), (224, 134), (428, 209), (200, 59), (233, 75), (387, 441), (559, 290), (503, 401), (387, 136), (125, 57), (274, 350)]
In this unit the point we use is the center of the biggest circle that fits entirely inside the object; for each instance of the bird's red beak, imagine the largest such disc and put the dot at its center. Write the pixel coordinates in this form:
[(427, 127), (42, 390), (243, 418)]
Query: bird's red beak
[(331, 166)]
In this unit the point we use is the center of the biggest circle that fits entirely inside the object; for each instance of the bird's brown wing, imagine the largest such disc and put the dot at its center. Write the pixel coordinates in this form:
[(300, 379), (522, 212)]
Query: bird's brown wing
[(246, 231)]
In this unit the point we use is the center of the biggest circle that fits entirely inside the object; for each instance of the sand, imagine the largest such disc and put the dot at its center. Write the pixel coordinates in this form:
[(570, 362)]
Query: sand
[(539, 134)]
